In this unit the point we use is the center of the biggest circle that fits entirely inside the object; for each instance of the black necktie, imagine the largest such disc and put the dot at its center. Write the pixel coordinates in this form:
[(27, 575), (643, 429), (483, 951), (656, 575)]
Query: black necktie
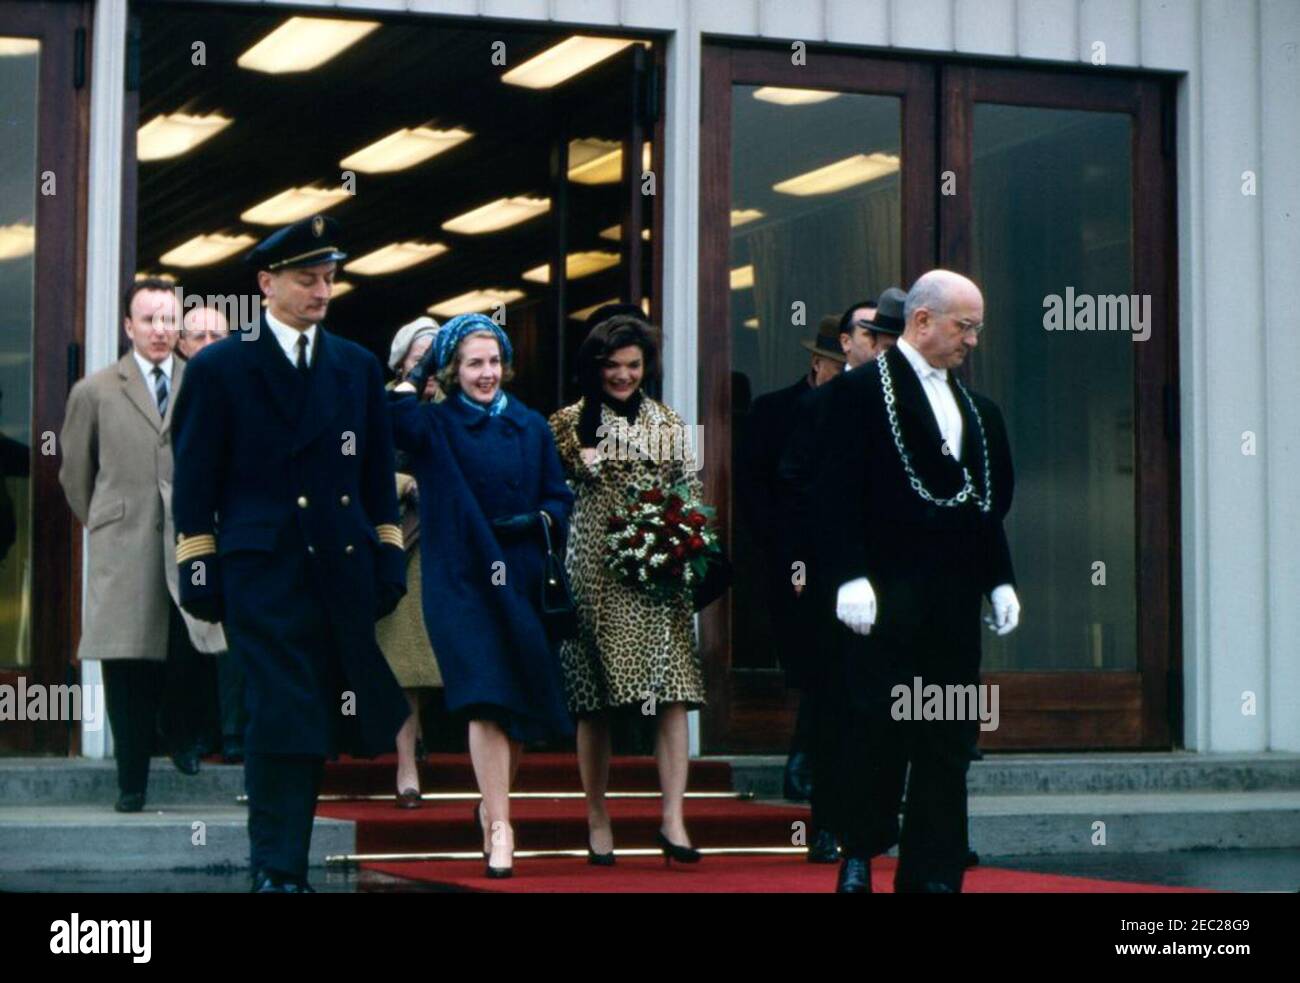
[(302, 354), (160, 390)]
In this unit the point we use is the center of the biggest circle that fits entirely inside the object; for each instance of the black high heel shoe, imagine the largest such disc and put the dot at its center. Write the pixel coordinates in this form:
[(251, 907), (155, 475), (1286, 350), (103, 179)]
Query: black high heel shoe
[(672, 851), (599, 859), (498, 873)]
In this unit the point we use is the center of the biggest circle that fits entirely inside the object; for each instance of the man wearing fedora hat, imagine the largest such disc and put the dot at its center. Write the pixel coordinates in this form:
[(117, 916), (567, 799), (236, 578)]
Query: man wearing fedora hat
[(871, 327), (286, 521), (762, 501)]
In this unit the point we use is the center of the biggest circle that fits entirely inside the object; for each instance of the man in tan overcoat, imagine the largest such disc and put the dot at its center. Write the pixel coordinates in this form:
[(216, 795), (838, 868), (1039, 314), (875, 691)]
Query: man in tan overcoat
[(116, 473)]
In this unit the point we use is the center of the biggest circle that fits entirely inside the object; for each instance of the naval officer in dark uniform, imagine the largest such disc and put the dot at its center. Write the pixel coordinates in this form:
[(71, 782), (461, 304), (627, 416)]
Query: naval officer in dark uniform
[(286, 520)]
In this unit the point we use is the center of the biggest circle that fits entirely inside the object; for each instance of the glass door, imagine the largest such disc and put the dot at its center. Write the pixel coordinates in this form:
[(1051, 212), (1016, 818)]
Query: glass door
[(42, 80)]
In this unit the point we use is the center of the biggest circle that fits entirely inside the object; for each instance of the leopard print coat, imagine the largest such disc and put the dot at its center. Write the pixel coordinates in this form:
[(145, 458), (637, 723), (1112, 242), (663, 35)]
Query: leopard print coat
[(630, 646)]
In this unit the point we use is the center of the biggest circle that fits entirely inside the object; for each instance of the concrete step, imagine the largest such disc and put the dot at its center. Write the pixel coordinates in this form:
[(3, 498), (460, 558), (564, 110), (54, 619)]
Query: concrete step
[(71, 781), (94, 837), (1065, 774)]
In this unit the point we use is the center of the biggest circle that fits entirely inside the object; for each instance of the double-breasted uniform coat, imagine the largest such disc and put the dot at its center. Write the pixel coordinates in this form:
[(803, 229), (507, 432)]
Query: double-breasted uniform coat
[(930, 566)]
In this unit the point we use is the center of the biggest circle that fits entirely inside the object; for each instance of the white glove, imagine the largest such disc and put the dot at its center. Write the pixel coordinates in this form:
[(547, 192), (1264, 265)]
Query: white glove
[(855, 605), (1006, 610)]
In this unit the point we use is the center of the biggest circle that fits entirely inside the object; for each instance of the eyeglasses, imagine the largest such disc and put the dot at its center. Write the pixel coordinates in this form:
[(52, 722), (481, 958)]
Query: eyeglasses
[(970, 327)]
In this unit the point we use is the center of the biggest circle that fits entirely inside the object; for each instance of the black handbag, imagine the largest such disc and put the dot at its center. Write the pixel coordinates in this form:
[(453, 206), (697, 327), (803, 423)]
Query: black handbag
[(559, 611), (715, 582)]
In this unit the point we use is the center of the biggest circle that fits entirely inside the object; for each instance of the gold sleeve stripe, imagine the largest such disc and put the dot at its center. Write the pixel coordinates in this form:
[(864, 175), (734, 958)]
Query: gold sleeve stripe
[(192, 547), (389, 534)]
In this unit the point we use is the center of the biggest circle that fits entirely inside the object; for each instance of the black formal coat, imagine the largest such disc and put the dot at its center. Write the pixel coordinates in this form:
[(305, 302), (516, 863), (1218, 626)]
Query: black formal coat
[(764, 500), (929, 565), (286, 520)]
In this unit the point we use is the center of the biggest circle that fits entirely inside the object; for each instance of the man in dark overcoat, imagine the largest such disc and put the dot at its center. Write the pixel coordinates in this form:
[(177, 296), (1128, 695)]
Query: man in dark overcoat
[(286, 520), (921, 470)]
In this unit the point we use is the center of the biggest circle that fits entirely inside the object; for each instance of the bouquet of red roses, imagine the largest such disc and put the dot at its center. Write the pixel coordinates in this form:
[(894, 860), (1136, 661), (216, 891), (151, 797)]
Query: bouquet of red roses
[(661, 541)]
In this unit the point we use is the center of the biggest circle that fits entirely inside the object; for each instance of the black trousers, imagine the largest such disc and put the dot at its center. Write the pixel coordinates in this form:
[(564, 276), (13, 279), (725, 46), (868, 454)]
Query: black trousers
[(230, 696), (282, 791), (929, 759), (153, 706)]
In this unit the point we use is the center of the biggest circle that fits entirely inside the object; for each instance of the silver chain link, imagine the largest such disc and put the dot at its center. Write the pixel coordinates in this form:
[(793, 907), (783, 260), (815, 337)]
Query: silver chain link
[(967, 492)]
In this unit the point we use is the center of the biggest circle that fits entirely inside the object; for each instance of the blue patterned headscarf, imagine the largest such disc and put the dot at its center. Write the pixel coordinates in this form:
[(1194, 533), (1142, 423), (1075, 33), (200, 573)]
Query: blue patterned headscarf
[(462, 326)]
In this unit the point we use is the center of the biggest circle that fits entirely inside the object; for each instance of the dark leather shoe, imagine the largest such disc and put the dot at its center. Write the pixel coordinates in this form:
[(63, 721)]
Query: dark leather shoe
[(409, 798), (823, 849), (855, 876), (972, 858), (130, 802), (186, 762), (798, 777), (269, 882), (232, 751)]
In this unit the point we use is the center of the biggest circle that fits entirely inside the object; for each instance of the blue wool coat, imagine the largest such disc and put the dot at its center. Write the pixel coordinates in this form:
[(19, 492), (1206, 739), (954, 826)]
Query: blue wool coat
[(481, 595), (286, 517)]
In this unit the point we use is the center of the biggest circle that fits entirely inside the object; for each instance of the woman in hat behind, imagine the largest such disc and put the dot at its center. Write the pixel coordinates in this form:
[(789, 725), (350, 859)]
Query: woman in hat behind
[(489, 477), (402, 636), (631, 646)]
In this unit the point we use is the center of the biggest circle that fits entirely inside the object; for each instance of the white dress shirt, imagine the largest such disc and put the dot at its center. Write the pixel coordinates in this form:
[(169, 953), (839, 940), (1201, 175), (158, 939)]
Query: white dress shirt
[(939, 393), (146, 369), (288, 339)]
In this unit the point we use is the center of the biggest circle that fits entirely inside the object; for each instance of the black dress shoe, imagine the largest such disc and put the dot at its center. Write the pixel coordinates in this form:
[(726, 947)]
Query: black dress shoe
[(130, 802), (270, 882), (232, 751), (798, 777), (823, 849), (972, 858), (855, 876), (186, 762)]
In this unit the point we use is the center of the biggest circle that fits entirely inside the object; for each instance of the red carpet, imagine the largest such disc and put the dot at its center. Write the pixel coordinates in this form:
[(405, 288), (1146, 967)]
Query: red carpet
[(728, 875), (560, 824)]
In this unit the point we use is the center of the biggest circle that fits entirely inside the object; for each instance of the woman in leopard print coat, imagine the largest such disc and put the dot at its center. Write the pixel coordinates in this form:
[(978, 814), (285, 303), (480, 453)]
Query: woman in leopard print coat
[(631, 648)]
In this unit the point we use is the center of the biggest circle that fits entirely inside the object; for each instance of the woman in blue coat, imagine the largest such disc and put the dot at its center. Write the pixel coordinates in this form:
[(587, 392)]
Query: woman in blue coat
[(489, 476)]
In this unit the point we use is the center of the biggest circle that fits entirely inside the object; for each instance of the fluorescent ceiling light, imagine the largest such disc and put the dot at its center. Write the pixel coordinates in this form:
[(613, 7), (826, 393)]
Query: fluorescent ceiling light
[(752, 323), (741, 216), (615, 234), (742, 277), (339, 289), (144, 275), (303, 43), (404, 149), (18, 47), (563, 61), (204, 250), (793, 97), (17, 241), (395, 256), (595, 161), (476, 302), (498, 215), (858, 169), (289, 206), (576, 265), (176, 133)]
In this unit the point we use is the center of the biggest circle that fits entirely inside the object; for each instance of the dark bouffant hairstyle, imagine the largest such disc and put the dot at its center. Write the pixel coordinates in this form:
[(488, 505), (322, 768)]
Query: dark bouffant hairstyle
[(609, 336)]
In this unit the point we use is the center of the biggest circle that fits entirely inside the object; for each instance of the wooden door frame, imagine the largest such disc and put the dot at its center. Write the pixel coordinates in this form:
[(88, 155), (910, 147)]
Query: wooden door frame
[(63, 126), (770, 705), (1104, 709)]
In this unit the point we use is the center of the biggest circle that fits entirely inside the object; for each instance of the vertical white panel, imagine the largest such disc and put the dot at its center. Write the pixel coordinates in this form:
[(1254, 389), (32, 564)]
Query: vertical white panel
[(1234, 396), (1047, 29), (1113, 23), (1279, 200), (516, 9), (857, 22), (586, 11), (1169, 33), (985, 27), (798, 20), (457, 8), (726, 17), (925, 24), (661, 15)]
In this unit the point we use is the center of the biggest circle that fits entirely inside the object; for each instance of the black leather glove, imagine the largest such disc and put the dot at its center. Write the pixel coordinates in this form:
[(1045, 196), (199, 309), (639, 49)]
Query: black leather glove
[(207, 608), (426, 367), (387, 596), (515, 526)]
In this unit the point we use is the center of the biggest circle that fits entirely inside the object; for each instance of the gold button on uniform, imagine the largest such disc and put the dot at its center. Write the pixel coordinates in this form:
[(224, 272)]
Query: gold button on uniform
[(350, 549), (345, 500), (302, 501)]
